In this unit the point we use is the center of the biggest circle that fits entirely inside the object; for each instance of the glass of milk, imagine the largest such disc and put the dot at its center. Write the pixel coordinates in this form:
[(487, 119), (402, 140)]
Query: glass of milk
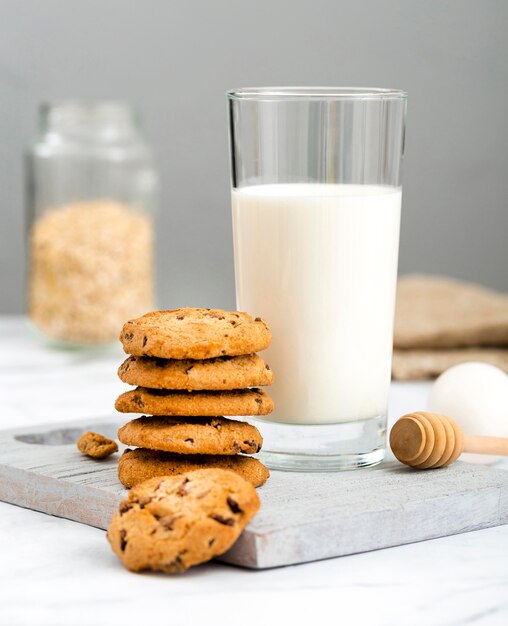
[(316, 198)]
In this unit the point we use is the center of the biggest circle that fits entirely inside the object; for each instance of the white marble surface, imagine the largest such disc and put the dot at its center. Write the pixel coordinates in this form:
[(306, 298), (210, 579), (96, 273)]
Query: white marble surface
[(56, 572)]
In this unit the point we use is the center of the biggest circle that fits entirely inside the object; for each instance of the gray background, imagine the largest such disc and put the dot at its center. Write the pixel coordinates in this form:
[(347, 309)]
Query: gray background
[(176, 59)]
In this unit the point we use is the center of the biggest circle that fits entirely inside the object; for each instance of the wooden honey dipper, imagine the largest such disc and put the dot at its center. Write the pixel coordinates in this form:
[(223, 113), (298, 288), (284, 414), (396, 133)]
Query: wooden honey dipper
[(428, 440)]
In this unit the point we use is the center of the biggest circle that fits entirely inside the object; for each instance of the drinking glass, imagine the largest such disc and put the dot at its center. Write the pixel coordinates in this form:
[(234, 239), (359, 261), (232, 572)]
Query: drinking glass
[(316, 200)]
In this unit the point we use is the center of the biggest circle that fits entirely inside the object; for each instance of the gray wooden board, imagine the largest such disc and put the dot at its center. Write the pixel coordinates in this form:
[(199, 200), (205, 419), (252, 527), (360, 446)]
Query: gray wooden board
[(303, 517)]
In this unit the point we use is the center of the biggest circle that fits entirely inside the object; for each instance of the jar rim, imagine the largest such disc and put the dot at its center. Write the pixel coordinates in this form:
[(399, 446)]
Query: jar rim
[(91, 113), (315, 93)]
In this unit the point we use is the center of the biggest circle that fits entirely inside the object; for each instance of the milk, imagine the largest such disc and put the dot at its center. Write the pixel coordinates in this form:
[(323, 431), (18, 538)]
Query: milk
[(319, 263)]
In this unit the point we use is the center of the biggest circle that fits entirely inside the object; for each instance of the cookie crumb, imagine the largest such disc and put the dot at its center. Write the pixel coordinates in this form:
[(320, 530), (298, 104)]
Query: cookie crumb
[(96, 446)]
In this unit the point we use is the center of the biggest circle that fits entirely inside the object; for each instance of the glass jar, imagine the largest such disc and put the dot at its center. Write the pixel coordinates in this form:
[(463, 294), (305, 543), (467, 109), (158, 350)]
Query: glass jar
[(92, 190)]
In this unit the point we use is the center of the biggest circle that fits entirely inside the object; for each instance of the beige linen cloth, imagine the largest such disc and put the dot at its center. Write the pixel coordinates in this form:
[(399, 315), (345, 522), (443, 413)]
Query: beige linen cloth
[(441, 322)]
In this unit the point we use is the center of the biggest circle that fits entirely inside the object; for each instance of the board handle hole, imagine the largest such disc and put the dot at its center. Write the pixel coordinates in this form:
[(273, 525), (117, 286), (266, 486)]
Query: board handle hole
[(66, 436)]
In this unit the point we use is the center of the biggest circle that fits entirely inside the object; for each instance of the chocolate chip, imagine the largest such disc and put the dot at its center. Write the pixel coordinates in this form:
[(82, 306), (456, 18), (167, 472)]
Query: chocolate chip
[(123, 540), (182, 491), (179, 317), (189, 440), (236, 447), (124, 507), (226, 335), (145, 339), (138, 400), (223, 351), (267, 366), (258, 319), (258, 400), (232, 322), (189, 369), (176, 565), (143, 501), (211, 542), (225, 521), (128, 336), (215, 316), (233, 505), (168, 522), (223, 381), (250, 444)]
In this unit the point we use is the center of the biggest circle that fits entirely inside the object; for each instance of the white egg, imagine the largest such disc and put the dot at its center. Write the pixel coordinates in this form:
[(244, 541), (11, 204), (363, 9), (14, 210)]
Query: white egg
[(475, 395)]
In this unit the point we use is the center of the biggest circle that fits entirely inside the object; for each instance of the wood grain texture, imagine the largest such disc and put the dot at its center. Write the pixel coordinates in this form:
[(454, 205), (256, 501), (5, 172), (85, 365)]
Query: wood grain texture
[(303, 517)]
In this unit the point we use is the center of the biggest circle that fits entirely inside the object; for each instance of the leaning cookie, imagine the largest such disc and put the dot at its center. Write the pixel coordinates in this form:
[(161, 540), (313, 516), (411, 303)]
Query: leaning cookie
[(138, 465), (220, 373), (195, 403), (195, 334), (171, 523), (209, 435)]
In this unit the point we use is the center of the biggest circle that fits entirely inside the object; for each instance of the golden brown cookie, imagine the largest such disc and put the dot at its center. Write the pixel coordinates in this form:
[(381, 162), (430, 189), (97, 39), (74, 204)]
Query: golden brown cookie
[(220, 373), (195, 403), (96, 445), (138, 465), (195, 334), (208, 435), (173, 523)]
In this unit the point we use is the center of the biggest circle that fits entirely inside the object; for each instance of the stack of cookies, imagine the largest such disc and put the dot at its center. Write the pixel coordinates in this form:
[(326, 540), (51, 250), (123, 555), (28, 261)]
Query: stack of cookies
[(192, 367)]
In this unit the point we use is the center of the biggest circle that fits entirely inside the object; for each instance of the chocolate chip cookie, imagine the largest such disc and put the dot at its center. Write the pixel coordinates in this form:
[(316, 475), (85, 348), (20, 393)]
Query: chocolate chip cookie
[(171, 523), (215, 435), (195, 403), (138, 465), (95, 445), (220, 373), (195, 334)]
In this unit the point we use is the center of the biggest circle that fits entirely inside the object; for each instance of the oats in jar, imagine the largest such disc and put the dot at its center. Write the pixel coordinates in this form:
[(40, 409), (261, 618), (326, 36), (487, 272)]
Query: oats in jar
[(91, 269)]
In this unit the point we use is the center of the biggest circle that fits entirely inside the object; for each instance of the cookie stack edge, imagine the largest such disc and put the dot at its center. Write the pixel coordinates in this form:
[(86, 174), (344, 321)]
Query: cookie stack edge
[(192, 367)]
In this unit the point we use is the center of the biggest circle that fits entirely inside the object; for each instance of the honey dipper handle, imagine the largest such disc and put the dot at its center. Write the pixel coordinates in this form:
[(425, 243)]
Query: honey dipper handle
[(486, 445)]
